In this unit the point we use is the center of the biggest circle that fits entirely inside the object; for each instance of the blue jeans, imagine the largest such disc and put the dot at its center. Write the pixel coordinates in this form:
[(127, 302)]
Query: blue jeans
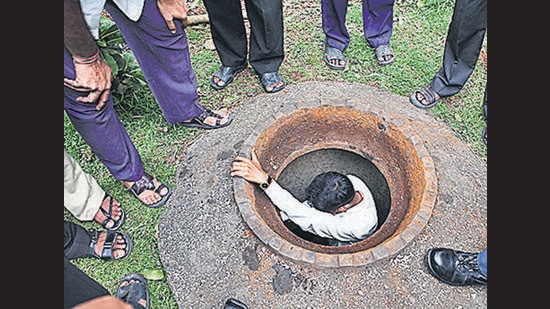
[(482, 261)]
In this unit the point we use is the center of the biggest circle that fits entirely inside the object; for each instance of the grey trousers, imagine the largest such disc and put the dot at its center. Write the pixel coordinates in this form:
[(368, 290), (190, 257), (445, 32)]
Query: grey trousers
[(462, 46)]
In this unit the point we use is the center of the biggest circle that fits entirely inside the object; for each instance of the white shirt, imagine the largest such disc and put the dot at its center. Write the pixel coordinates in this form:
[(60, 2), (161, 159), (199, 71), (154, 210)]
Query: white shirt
[(355, 224), (92, 11)]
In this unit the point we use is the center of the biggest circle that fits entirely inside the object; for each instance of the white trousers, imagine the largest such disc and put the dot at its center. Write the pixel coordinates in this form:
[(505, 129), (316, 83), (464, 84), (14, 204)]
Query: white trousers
[(83, 195)]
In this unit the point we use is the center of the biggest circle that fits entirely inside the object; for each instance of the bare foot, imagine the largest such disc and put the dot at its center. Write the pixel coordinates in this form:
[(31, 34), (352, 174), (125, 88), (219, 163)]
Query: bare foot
[(273, 86), (149, 190), (141, 301), (424, 100), (148, 196), (134, 290), (119, 246), (211, 120), (337, 62), (218, 81)]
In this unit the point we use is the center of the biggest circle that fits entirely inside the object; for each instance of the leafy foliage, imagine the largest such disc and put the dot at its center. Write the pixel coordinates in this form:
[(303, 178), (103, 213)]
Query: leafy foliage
[(127, 75)]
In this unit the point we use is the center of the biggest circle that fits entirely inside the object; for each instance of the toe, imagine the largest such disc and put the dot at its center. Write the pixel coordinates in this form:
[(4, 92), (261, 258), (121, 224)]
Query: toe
[(218, 81)]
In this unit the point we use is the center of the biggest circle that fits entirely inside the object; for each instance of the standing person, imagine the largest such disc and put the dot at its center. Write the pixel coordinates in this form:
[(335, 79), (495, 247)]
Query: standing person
[(462, 48), (86, 200), (266, 51), (457, 267), (154, 32), (377, 28)]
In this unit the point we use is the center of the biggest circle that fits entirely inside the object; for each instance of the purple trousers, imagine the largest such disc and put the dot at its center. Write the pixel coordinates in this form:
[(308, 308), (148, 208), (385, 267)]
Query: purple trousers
[(377, 22), (165, 63)]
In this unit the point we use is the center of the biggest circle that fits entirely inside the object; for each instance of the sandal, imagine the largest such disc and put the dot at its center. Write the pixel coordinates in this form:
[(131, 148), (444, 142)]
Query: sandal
[(135, 290), (226, 75), (146, 183), (198, 122), (334, 58), (108, 214), (428, 97), (384, 54), (110, 241), (269, 79)]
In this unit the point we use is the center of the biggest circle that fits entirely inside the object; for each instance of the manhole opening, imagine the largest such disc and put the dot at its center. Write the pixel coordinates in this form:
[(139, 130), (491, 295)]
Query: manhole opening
[(299, 173), (296, 147)]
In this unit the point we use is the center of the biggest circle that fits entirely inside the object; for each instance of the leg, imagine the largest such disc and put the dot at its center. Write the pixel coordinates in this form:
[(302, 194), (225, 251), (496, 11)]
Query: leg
[(106, 135), (266, 42), (86, 200), (266, 35), (462, 46), (377, 21), (377, 28), (228, 31), (82, 194), (333, 18), (78, 286), (103, 131), (107, 245), (164, 60), (76, 241)]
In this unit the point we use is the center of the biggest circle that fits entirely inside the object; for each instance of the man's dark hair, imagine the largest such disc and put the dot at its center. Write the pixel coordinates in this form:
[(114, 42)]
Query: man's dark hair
[(330, 190)]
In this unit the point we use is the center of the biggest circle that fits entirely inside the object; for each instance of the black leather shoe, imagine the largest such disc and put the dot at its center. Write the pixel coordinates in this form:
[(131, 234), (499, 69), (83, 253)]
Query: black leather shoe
[(454, 267)]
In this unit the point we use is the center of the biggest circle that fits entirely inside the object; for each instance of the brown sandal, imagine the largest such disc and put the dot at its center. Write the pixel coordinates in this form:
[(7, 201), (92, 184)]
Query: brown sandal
[(146, 183), (198, 122)]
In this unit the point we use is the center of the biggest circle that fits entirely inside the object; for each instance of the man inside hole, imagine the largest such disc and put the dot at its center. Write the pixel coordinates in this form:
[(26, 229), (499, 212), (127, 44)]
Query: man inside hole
[(337, 207)]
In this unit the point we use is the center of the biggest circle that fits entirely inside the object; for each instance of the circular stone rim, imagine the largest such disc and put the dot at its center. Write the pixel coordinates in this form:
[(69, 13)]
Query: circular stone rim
[(388, 248)]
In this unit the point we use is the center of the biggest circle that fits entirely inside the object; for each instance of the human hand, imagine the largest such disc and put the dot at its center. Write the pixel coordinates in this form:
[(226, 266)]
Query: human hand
[(173, 9), (249, 169), (94, 77)]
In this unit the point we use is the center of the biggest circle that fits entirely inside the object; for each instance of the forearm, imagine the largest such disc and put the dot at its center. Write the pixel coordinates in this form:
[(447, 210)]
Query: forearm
[(286, 202), (77, 37)]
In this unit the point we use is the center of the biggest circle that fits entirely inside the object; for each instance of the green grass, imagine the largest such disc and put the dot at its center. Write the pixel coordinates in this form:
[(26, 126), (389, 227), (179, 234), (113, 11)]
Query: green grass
[(418, 40)]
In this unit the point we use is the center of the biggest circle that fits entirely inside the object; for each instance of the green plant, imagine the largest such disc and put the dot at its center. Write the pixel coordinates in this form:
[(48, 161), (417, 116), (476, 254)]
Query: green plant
[(127, 76)]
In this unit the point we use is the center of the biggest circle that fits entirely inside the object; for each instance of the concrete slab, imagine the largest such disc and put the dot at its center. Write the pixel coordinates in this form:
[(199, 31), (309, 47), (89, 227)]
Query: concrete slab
[(211, 254)]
